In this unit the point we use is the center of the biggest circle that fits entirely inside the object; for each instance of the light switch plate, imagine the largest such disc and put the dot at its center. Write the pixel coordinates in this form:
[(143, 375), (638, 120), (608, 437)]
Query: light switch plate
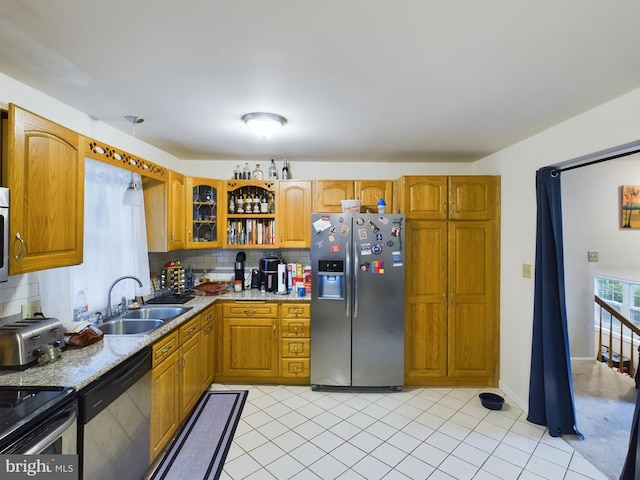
[(593, 256), (526, 270)]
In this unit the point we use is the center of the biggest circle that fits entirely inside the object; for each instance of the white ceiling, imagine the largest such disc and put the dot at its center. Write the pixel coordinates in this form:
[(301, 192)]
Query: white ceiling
[(358, 80)]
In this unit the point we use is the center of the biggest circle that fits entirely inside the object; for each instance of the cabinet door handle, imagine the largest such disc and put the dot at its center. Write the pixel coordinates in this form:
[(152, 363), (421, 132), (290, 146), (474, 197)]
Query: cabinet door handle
[(274, 329), (444, 299), (250, 312), (19, 238), (453, 299), (444, 207), (189, 236), (453, 208)]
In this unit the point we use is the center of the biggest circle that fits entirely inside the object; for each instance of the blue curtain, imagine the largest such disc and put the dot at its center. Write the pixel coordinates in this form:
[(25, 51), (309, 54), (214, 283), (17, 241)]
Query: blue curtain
[(550, 384)]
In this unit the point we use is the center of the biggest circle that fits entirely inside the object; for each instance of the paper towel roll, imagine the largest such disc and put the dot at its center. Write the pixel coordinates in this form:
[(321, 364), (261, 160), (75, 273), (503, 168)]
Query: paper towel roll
[(282, 278)]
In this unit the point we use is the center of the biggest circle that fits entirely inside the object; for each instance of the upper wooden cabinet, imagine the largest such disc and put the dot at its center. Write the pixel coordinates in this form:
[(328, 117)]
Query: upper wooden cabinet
[(201, 214), (164, 207), (294, 213), (328, 194), (452, 198), (44, 168)]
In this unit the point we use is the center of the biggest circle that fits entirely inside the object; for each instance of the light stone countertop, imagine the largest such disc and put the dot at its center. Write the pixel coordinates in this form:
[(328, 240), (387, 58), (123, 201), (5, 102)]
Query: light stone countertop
[(78, 367)]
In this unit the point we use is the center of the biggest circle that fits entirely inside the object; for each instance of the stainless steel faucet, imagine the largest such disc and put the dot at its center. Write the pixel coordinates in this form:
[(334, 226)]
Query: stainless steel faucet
[(109, 312)]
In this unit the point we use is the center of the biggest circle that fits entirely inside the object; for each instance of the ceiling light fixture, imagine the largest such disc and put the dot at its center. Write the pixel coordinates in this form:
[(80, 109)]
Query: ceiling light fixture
[(264, 124)]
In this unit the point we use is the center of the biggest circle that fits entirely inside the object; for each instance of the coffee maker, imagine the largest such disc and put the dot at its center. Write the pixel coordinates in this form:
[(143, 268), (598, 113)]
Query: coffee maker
[(239, 268), (269, 273)]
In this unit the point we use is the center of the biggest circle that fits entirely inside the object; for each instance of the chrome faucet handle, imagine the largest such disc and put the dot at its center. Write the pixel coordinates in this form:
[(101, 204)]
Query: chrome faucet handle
[(99, 318)]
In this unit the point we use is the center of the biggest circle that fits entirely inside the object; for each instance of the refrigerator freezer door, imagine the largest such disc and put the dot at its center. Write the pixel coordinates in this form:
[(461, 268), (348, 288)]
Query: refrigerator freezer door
[(330, 315)]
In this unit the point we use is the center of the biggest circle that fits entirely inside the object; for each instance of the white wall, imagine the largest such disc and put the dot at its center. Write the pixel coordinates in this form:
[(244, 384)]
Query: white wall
[(614, 123)]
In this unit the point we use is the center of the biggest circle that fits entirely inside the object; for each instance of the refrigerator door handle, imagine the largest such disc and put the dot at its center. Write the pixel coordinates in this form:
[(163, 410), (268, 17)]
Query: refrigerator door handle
[(347, 274), (356, 261)]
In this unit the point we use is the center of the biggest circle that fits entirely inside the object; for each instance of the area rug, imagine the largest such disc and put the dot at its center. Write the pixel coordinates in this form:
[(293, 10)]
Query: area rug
[(201, 446)]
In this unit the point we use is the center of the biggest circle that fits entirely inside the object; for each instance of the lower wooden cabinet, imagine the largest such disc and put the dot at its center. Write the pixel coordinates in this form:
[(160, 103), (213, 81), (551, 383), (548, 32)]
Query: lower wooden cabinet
[(208, 346), (165, 388), (265, 342), (176, 382), (190, 366), (250, 340), (295, 341)]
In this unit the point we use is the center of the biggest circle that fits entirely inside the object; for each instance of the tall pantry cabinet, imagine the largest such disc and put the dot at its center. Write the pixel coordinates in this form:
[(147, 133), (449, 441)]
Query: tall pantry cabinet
[(452, 279)]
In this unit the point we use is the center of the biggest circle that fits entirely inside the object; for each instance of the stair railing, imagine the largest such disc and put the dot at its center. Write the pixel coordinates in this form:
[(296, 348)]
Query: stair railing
[(624, 324)]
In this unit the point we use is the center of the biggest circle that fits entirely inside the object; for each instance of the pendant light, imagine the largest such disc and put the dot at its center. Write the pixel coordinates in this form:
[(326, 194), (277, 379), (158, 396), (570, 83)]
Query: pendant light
[(133, 194)]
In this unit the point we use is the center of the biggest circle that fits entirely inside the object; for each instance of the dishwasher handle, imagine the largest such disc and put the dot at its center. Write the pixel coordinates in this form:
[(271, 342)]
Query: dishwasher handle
[(54, 429)]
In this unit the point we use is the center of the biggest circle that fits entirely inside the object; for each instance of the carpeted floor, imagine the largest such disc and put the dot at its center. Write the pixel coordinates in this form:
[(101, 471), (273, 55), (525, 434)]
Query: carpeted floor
[(604, 402)]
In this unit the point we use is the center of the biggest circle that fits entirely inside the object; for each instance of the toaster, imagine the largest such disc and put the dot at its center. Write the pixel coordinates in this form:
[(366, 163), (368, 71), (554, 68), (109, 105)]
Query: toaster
[(22, 342)]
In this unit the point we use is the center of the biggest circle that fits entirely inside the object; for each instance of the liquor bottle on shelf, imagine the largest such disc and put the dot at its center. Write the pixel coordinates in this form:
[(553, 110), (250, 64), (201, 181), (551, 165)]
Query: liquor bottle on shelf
[(240, 203), (257, 174), (237, 173), (264, 203), (232, 204), (248, 202), (256, 202), (285, 170), (246, 172), (273, 171)]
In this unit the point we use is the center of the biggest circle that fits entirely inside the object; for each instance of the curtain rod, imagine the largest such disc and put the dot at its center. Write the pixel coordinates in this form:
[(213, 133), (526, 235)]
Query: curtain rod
[(621, 151)]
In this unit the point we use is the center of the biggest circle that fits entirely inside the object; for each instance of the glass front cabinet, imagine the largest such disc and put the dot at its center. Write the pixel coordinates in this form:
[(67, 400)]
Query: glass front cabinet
[(202, 213), (250, 213)]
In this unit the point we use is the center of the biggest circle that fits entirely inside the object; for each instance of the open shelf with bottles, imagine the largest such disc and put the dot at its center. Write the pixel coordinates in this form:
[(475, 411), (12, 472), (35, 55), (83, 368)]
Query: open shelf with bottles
[(251, 212), (202, 213)]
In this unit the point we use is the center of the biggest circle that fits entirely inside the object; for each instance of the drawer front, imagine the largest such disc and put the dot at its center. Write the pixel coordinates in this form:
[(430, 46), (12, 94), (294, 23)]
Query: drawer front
[(295, 310), (295, 367), (189, 329), (295, 347), (207, 316), (164, 347), (296, 328), (250, 309)]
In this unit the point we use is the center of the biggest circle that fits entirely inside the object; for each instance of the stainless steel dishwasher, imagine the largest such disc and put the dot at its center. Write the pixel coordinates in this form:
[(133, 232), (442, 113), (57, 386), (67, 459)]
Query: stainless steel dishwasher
[(114, 421)]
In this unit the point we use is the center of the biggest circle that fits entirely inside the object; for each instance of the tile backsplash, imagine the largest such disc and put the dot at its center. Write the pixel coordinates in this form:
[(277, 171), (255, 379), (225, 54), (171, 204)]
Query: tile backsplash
[(219, 263), (17, 291)]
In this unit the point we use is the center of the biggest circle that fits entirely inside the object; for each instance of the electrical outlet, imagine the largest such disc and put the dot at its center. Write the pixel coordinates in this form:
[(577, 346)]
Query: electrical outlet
[(31, 308), (526, 270), (593, 256)]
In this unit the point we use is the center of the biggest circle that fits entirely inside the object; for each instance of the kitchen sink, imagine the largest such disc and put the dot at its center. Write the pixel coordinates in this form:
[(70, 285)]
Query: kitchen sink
[(127, 326), (160, 313)]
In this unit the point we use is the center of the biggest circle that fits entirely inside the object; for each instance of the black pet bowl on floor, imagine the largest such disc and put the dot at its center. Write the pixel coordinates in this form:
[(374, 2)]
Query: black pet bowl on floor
[(491, 401)]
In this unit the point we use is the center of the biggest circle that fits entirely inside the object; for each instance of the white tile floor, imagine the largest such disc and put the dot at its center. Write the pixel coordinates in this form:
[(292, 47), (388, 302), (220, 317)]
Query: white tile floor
[(436, 433)]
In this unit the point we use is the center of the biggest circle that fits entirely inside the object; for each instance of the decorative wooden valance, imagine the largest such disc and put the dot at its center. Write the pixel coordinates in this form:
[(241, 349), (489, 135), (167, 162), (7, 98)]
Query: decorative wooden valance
[(106, 153)]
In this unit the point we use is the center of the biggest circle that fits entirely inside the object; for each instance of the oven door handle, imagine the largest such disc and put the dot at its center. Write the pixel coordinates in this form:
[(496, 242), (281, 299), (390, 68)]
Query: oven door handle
[(56, 428)]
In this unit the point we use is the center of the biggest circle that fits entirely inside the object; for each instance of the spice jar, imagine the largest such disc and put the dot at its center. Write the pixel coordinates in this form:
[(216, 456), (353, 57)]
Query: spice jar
[(237, 286)]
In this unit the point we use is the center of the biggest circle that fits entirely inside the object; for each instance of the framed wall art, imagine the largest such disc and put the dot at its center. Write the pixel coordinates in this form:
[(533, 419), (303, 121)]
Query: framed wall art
[(630, 207)]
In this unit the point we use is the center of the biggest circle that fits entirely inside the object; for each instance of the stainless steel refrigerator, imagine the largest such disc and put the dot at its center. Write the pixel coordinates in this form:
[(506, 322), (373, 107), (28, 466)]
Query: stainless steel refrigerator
[(357, 301)]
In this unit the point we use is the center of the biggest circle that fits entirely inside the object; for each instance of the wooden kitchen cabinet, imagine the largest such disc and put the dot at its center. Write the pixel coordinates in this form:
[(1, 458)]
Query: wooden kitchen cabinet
[(294, 212), (176, 382), (452, 295), (164, 207), (464, 197), (250, 213), (44, 168), (165, 389), (329, 193), (201, 215), (190, 367), (250, 341), (208, 343), (295, 340)]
